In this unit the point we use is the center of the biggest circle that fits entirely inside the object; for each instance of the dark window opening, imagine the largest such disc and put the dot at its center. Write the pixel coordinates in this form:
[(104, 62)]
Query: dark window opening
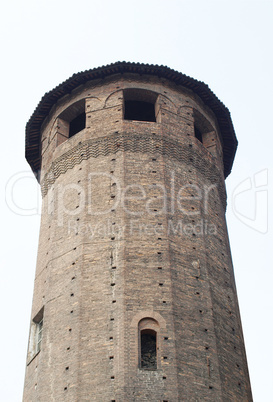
[(77, 125), (140, 104), (148, 349), (71, 121), (198, 134), (139, 110)]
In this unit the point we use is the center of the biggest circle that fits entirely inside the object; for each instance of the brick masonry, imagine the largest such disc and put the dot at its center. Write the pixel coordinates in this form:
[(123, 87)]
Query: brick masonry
[(107, 261)]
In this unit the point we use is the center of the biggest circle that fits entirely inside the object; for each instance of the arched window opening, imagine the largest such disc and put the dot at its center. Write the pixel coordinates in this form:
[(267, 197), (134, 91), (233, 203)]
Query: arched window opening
[(148, 359), (149, 347), (139, 104)]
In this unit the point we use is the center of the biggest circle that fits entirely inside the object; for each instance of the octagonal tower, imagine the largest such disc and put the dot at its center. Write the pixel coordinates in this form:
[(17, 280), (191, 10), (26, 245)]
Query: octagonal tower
[(134, 294)]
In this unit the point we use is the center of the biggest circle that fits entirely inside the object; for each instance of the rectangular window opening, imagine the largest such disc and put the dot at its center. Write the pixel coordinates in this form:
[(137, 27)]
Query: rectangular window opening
[(71, 121), (139, 104), (198, 134), (36, 335), (139, 110), (39, 331), (77, 124), (148, 350)]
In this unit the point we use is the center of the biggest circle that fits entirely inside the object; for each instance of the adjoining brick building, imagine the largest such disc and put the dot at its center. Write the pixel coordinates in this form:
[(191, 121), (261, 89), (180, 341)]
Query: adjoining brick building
[(134, 296)]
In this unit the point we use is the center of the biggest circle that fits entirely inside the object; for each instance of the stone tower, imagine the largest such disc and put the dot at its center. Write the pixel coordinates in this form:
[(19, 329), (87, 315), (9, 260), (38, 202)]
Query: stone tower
[(134, 296)]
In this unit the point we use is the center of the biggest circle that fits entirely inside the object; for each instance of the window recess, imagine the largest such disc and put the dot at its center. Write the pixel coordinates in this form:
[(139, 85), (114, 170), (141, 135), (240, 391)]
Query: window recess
[(139, 105)]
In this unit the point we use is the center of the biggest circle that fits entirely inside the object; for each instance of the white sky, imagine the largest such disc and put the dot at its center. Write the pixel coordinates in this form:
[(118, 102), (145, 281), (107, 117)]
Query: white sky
[(226, 44)]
